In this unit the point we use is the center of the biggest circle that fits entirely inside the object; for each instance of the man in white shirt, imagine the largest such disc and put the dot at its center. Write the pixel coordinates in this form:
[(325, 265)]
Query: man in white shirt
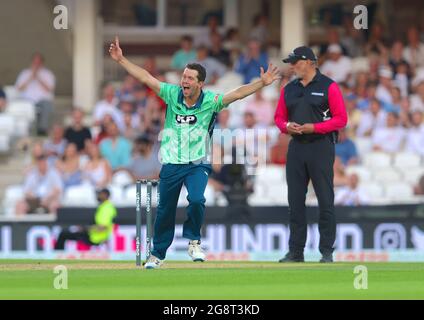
[(371, 119), (43, 189), (390, 138), (385, 85), (417, 100), (415, 134), (352, 194), (338, 67), (109, 105), (414, 51), (37, 84)]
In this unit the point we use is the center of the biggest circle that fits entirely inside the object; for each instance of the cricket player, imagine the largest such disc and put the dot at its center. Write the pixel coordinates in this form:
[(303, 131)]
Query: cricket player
[(190, 117)]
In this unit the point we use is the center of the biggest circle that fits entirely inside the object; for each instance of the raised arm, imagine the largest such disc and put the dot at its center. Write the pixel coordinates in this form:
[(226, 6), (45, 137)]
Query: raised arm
[(241, 92), (141, 74)]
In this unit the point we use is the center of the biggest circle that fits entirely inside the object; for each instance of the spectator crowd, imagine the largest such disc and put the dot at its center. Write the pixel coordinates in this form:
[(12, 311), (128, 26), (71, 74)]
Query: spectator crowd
[(382, 80)]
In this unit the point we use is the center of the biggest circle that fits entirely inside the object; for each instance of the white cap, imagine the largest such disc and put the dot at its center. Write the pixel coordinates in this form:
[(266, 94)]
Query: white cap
[(334, 48), (385, 73)]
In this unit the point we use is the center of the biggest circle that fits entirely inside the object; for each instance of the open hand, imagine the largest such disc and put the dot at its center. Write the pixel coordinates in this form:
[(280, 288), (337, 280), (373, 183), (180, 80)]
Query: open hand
[(270, 75), (115, 50)]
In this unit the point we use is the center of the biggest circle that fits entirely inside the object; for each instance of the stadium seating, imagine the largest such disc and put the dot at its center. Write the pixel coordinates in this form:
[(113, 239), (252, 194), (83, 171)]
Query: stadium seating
[(22, 109), (377, 160), (11, 93), (406, 160), (4, 143), (7, 125), (81, 196), (13, 194)]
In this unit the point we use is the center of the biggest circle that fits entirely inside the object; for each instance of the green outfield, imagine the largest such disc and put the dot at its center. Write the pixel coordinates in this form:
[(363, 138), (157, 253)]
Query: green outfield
[(209, 280)]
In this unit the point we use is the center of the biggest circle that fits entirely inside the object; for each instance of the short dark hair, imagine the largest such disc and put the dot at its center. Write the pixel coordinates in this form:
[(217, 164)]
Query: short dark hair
[(201, 71), (105, 191), (187, 37)]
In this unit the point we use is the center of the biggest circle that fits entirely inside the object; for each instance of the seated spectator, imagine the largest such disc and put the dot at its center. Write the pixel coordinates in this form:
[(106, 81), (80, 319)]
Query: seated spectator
[(249, 64), (340, 177), (353, 116), (54, 147), (385, 86), (396, 58), (371, 119), (254, 138), (127, 89), (337, 67), (218, 52), (98, 233), (352, 39), (130, 130), (2, 100), (186, 54), (419, 187), (126, 107), (352, 194), (346, 149), (377, 43), (115, 148), (260, 29), (204, 37), (395, 105), (214, 68), (37, 150), (223, 134), (261, 108), (145, 162), (415, 134), (37, 84), (389, 138), (233, 44), (42, 189), (333, 37), (417, 99), (109, 105), (153, 118), (69, 167), (414, 51), (97, 170), (102, 133), (77, 133), (364, 100), (279, 150)]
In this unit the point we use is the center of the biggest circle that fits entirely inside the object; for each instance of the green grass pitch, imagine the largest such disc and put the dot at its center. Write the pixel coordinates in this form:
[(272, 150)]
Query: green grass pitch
[(31, 279)]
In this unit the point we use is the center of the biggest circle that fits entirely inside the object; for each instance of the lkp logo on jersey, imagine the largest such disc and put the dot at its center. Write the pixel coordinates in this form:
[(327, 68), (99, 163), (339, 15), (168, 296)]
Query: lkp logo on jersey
[(186, 119)]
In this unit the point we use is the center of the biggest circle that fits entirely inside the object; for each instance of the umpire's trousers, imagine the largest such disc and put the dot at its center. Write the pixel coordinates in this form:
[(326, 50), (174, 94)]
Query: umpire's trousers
[(311, 161), (172, 177)]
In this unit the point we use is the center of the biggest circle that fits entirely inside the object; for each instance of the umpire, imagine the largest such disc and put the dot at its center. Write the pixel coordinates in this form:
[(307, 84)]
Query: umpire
[(311, 110)]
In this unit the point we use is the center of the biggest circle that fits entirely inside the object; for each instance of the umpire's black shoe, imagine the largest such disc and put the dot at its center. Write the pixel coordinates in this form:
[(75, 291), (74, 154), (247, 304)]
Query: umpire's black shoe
[(327, 258), (291, 257)]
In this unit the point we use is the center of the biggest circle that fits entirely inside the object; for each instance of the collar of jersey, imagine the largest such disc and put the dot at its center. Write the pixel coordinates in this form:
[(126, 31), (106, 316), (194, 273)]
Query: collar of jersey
[(198, 102)]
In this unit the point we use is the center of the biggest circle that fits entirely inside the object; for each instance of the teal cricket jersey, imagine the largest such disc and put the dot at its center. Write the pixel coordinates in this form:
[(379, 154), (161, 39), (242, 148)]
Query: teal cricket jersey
[(187, 131)]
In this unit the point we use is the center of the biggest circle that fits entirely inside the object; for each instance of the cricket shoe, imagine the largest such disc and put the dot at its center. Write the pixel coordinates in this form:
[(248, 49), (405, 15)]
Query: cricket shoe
[(153, 263), (195, 251), (291, 257)]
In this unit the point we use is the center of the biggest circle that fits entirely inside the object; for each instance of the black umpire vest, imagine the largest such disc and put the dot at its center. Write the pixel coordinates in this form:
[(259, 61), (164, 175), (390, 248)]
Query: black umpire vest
[(309, 104)]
